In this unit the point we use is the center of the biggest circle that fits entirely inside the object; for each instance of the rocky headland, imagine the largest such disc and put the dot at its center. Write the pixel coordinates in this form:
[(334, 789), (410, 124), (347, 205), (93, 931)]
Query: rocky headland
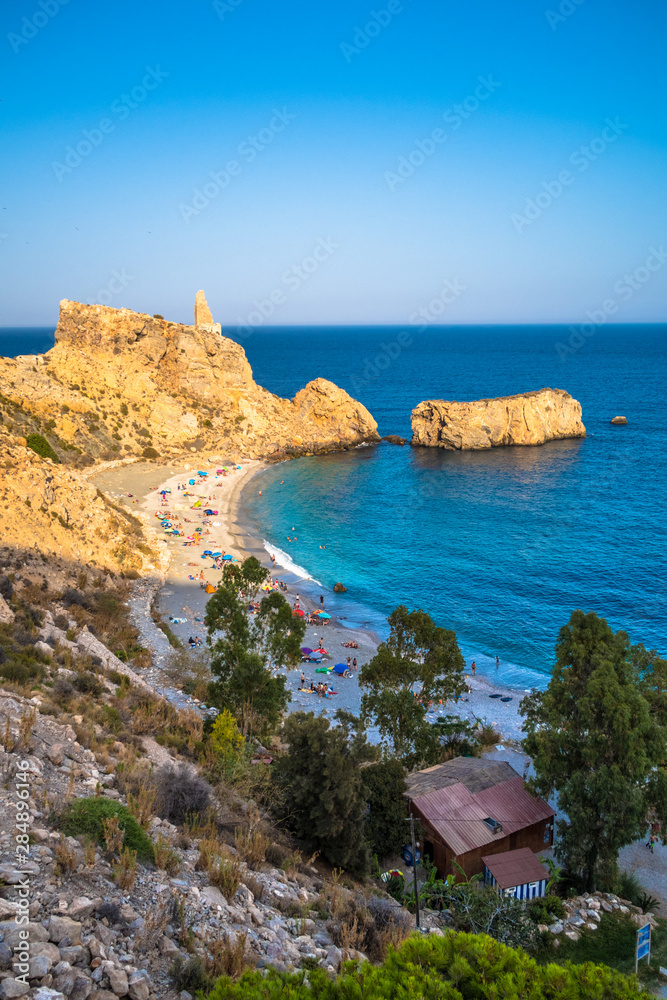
[(122, 385), (529, 418)]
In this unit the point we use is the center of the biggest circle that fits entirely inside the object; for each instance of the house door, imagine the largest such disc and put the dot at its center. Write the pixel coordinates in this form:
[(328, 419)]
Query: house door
[(428, 850), (532, 890)]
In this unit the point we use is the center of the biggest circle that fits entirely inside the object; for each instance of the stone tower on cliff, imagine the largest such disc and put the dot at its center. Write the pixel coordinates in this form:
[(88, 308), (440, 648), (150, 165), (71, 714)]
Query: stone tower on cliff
[(203, 317)]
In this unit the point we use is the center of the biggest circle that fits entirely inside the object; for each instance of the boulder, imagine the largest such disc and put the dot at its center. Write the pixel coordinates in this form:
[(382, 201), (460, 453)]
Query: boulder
[(619, 420), (64, 927), (118, 982), (10, 988), (394, 439), (6, 613), (80, 908), (39, 966), (529, 418), (339, 588), (138, 987)]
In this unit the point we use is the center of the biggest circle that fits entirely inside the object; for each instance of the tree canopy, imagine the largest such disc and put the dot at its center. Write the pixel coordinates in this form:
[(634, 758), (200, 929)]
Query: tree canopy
[(598, 742), (247, 651), (451, 967), (418, 653), (320, 786)]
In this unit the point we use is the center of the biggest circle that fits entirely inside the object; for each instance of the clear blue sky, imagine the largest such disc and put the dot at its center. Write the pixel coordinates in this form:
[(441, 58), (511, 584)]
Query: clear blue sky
[(182, 89)]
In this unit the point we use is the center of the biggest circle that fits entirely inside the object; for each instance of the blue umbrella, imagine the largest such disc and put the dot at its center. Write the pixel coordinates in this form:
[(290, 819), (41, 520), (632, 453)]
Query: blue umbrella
[(306, 650)]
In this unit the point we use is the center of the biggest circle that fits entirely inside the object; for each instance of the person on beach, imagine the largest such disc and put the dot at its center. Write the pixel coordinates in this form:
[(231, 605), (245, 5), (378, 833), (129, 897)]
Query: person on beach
[(497, 662), (303, 679), (349, 662), (273, 559), (354, 663), (321, 600), (474, 668)]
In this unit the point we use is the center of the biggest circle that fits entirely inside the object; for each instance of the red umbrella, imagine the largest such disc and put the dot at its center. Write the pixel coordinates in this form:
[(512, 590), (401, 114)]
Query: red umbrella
[(298, 611)]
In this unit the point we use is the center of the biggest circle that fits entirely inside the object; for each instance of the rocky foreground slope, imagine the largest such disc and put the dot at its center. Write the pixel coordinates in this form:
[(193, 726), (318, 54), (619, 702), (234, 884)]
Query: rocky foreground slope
[(526, 419), (119, 382)]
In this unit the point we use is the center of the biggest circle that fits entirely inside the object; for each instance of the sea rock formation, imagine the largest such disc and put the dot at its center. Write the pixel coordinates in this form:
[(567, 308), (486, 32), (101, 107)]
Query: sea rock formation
[(526, 419), (120, 383), (619, 420)]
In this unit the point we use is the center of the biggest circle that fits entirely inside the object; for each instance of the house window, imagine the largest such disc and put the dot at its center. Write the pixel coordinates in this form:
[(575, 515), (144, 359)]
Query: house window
[(532, 890), (547, 833)]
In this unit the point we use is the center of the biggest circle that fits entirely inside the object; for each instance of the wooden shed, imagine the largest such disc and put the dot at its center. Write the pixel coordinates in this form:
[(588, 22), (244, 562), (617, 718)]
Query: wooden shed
[(471, 808), (516, 873)]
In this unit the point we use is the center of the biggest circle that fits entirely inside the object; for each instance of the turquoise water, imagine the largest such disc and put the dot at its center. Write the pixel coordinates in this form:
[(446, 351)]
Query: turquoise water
[(501, 546)]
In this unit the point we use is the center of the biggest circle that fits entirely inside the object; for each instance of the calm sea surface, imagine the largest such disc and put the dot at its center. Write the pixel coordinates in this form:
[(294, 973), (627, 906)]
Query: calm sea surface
[(502, 545)]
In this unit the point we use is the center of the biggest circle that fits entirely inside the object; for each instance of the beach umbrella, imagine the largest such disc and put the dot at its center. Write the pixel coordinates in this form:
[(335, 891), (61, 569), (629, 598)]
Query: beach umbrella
[(191, 481), (306, 651), (340, 668), (225, 558), (323, 614), (216, 554), (322, 651), (298, 611)]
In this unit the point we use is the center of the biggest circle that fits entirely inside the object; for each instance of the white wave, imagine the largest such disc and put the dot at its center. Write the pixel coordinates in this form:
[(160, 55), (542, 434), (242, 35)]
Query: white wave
[(284, 560)]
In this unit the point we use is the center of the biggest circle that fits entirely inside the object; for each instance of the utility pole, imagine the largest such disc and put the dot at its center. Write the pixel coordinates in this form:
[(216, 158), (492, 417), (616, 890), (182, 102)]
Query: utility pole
[(414, 869)]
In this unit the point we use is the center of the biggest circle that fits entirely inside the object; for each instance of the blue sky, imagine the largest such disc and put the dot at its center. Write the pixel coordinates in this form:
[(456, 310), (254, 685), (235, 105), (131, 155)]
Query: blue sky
[(307, 163)]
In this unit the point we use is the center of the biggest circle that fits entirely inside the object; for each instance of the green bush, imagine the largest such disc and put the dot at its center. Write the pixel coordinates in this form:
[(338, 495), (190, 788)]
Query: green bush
[(452, 967), (84, 816), (542, 911), (150, 453), (42, 447)]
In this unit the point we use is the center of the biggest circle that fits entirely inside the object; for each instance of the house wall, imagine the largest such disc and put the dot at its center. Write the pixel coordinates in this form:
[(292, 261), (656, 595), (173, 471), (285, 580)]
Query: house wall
[(528, 890), (537, 837)]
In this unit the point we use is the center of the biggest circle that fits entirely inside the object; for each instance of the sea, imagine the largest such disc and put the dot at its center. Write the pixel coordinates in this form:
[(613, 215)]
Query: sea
[(499, 546)]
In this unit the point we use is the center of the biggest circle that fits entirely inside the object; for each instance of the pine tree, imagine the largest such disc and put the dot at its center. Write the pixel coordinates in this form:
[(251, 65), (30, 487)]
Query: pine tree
[(595, 742), (247, 652), (418, 654), (320, 786)]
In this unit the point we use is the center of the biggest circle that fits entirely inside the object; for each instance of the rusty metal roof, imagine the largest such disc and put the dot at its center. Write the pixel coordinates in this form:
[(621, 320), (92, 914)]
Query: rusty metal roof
[(515, 867), (473, 772), (458, 815)]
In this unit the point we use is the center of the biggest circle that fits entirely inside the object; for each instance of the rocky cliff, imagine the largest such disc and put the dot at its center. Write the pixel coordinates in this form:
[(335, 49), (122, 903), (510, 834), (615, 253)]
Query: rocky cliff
[(52, 509), (528, 418), (119, 382)]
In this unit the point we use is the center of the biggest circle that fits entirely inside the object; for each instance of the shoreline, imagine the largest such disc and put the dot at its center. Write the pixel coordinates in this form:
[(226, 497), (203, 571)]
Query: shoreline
[(137, 487)]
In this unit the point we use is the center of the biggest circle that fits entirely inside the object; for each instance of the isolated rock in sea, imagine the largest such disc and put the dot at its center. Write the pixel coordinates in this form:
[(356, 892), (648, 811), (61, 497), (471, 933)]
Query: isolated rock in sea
[(339, 588), (525, 419), (619, 420), (119, 382), (394, 439)]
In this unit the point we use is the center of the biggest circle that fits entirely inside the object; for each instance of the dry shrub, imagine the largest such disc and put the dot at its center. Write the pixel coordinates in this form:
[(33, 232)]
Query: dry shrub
[(166, 857), (291, 863), (221, 866), (151, 716), (181, 793), (113, 833), (141, 805), (65, 856), (157, 918), (192, 724), (228, 956), (125, 869), (369, 924), (252, 843)]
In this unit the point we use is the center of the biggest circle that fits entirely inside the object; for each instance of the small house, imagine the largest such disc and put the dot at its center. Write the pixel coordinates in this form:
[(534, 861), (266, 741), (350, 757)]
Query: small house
[(516, 873), (471, 808)]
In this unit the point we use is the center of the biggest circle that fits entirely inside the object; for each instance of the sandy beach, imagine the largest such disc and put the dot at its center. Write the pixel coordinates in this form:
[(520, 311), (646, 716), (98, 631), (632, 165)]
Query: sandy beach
[(182, 597)]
